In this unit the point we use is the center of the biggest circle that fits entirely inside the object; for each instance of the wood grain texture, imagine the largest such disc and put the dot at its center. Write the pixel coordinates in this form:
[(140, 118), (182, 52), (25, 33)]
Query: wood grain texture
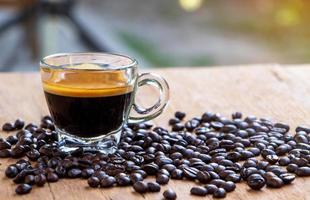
[(282, 93)]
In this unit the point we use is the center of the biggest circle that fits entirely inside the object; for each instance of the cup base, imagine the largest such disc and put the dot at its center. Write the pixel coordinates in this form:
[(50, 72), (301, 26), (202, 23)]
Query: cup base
[(106, 144)]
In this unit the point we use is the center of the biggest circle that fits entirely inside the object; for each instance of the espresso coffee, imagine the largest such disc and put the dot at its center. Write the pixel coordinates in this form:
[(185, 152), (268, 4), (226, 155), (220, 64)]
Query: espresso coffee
[(87, 104), (88, 116)]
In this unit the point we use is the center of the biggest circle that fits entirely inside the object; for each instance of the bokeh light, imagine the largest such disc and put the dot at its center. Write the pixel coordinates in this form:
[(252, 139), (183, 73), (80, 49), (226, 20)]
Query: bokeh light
[(190, 5)]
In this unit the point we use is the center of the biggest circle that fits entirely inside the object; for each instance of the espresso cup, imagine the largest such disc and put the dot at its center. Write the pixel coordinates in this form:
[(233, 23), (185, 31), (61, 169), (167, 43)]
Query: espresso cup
[(91, 97)]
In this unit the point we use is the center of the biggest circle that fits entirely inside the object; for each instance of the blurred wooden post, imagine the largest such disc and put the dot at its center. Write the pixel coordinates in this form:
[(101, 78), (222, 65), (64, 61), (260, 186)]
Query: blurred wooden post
[(29, 26)]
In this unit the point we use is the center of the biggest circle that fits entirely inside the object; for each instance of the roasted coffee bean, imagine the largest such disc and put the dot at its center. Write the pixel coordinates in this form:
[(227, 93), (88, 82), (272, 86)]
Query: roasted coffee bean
[(109, 181), (8, 127), (284, 161), (177, 174), (5, 145), (122, 179), (203, 176), (19, 124), (23, 189), (303, 171), (153, 187), (29, 179), (287, 178), (302, 128), (40, 180), (150, 169), (140, 187), (52, 177), (211, 188), (292, 168), (180, 115), (18, 151), (74, 173), (162, 179), (93, 182), (256, 181), (272, 159), (12, 139), (274, 181), (173, 121), (198, 191), (135, 177), (169, 194), (86, 173), (190, 172), (236, 115), (11, 171), (229, 186), (33, 154), (5, 153), (219, 193), (178, 127)]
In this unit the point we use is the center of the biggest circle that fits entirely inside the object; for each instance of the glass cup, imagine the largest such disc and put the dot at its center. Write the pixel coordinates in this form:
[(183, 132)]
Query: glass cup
[(91, 96)]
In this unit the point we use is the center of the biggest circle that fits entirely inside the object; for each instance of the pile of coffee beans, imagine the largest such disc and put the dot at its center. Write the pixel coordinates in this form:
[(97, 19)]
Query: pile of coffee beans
[(211, 150)]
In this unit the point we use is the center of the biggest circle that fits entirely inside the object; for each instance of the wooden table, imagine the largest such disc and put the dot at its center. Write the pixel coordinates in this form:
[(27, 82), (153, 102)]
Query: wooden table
[(282, 93)]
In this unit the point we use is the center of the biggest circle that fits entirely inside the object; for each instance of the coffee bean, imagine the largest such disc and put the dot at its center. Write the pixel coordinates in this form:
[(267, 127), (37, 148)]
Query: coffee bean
[(177, 174), (292, 168), (284, 161), (203, 177), (93, 182), (198, 191), (52, 177), (11, 171), (19, 124), (219, 193), (74, 173), (272, 159), (109, 181), (237, 115), (153, 187), (273, 181), (40, 179), (122, 179), (23, 189), (86, 173), (169, 194), (5, 153), (190, 172), (303, 171), (135, 177), (162, 179), (180, 115), (8, 127), (229, 186), (150, 169), (287, 178), (178, 127), (29, 179), (173, 121), (140, 187), (302, 128), (5, 145), (256, 181)]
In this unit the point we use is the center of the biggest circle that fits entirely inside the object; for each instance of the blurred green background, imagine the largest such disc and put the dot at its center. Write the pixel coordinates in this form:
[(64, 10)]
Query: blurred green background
[(158, 33)]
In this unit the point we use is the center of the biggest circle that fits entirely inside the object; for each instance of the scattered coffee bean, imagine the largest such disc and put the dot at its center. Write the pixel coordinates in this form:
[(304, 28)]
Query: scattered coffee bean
[(153, 187), (170, 194), (256, 181), (199, 191), (162, 179), (140, 187), (206, 149), (180, 115), (23, 189), (109, 181), (8, 127), (219, 193), (93, 182), (40, 180)]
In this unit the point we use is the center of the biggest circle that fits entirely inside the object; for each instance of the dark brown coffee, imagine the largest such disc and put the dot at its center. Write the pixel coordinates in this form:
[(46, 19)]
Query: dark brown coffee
[(88, 116)]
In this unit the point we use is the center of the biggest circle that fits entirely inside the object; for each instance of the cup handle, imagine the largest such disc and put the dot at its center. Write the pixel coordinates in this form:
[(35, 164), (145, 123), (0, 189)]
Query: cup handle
[(145, 114)]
